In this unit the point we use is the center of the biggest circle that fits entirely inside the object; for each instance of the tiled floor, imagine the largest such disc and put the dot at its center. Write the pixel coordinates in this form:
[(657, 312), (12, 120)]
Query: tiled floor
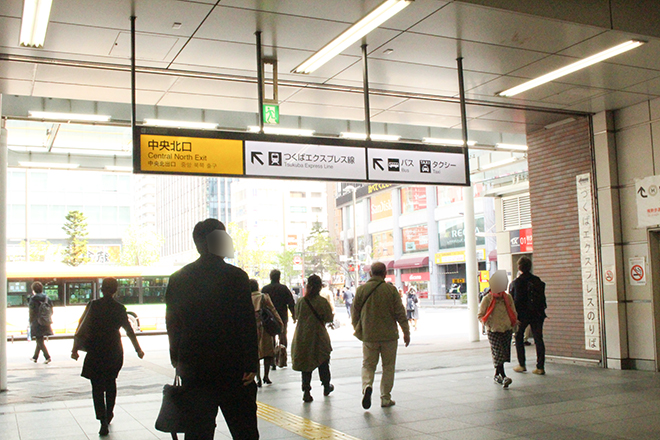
[(443, 391)]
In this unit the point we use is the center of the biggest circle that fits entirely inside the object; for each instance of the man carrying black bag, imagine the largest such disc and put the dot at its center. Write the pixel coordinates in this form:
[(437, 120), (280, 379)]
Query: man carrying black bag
[(528, 292), (213, 337)]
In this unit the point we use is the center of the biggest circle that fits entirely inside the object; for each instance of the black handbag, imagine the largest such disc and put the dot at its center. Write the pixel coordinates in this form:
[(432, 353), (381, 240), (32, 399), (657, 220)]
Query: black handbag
[(268, 320), (177, 410)]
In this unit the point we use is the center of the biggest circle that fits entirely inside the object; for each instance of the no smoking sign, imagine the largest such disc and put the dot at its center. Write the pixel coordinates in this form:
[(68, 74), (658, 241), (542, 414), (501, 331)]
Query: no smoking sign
[(637, 271)]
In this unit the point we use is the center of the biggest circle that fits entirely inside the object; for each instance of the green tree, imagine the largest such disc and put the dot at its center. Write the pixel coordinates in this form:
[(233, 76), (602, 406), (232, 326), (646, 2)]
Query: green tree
[(75, 227), (249, 253), (320, 253), (140, 247), (38, 249), (284, 262)]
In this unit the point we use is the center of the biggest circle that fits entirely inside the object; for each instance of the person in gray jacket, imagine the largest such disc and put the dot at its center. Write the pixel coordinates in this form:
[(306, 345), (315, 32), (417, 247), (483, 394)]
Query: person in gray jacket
[(377, 309)]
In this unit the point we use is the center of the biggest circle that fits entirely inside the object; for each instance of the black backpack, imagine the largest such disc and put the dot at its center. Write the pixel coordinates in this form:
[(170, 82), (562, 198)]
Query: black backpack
[(45, 313), (268, 320), (536, 295)]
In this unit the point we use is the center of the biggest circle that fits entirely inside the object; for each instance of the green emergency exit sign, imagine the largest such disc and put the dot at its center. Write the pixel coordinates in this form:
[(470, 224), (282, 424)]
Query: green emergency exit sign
[(271, 114)]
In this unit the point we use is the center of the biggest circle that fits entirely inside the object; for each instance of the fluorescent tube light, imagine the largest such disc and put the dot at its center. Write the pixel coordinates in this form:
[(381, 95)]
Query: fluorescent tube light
[(511, 147), (374, 19), (457, 142), (282, 131), (49, 165), (69, 116), (374, 137), (35, 22), (601, 56), (118, 168), (180, 124), (501, 163)]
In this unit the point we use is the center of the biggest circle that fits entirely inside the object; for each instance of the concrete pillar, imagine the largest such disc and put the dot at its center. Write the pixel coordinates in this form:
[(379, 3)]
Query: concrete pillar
[(434, 241), (3, 252), (471, 272), (396, 232)]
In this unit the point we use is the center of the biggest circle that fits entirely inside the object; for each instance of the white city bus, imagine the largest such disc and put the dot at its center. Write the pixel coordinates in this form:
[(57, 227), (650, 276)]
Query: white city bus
[(141, 290)]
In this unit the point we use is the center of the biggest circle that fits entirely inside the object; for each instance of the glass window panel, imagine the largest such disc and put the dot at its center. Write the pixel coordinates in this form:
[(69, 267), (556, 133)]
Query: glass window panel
[(93, 214), (16, 214), (38, 213), (124, 183), (109, 214), (128, 291), (109, 182), (124, 215), (154, 289), (38, 181), (16, 181), (79, 293)]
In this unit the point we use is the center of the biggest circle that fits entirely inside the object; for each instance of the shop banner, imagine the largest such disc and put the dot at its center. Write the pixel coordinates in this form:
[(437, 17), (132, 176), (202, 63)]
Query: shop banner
[(521, 241), (381, 206), (419, 276)]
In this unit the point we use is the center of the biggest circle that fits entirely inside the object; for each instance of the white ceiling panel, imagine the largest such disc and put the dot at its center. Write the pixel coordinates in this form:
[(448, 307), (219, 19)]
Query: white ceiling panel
[(503, 28), (147, 47), (322, 111), (209, 102), (333, 98), (651, 87), (498, 126), (573, 94), (411, 118), (23, 71), (15, 87), (91, 93), (101, 78), (11, 28), (609, 100), (214, 88)]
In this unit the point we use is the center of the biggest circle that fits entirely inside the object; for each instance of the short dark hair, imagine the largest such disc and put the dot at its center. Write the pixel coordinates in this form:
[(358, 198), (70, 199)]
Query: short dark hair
[(109, 286), (275, 276), (37, 287), (525, 264), (378, 269), (202, 229), (254, 285)]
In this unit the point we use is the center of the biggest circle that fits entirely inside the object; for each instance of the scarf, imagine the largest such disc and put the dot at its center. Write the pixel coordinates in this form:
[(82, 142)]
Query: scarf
[(512, 315)]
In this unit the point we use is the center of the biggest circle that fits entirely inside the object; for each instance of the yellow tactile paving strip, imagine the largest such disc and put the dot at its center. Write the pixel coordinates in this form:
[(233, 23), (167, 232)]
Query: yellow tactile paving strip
[(299, 425)]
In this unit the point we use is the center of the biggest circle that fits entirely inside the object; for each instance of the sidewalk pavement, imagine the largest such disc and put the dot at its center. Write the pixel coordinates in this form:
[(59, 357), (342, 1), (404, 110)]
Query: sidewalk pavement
[(443, 389)]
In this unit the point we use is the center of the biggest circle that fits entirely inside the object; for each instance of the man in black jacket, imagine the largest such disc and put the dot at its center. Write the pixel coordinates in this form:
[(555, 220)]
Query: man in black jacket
[(528, 292), (282, 299), (213, 336)]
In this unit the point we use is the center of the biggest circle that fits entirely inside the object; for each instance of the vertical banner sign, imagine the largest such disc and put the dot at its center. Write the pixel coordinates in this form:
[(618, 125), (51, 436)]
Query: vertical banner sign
[(588, 262)]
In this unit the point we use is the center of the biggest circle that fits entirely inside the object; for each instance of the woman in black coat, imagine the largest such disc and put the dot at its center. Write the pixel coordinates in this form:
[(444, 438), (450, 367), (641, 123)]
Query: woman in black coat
[(98, 334), (39, 328)]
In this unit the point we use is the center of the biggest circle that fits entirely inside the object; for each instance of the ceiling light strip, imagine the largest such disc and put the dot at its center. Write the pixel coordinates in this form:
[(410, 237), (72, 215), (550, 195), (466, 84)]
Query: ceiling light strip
[(49, 165), (35, 22), (511, 147), (53, 116), (377, 17), (601, 56), (180, 124), (437, 141)]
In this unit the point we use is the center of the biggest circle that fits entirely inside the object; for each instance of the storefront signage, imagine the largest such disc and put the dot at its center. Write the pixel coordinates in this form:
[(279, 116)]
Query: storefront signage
[(381, 206), (415, 238), (648, 201), (413, 198), (419, 276), (521, 241), (451, 233), (457, 257), (209, 152), (591, 308)]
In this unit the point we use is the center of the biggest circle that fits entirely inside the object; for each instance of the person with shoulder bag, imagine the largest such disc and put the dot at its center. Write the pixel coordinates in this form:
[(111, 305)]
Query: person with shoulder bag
[(262, 302), (311, 347)]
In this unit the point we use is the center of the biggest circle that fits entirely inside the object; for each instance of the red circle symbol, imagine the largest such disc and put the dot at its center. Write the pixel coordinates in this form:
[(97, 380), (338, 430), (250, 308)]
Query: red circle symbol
[(637, 272), (609, 276), (297, 259)]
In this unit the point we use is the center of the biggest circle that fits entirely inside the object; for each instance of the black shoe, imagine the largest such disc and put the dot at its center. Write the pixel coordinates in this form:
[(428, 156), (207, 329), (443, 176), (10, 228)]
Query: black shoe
[(104, 429), (498, 379), (274, 367), (110, 417), (366, 400), (328, 389), (259, 383), (267, 381), (307, 396)]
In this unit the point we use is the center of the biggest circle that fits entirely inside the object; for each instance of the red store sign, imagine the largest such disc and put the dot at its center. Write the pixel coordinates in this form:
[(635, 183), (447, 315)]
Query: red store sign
[(521, 241), (419, 276)]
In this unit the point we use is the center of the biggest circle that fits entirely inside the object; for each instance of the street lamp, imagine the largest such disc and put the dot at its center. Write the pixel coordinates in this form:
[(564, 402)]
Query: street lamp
[(353, 188)]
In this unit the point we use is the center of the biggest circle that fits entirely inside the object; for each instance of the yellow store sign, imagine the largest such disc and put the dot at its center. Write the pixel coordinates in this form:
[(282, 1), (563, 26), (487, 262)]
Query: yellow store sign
[(457, 257), (191, 155)]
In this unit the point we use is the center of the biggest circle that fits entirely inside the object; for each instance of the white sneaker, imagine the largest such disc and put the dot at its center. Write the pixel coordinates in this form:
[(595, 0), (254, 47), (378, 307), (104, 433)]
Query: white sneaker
[(47, 361)]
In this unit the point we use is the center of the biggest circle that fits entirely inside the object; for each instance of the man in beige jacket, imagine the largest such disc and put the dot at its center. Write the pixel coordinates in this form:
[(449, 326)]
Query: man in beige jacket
[(376, 310)]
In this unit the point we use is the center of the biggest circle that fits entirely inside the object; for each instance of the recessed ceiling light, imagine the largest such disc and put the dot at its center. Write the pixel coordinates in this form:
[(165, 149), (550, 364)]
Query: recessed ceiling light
[(457, 142), (377, 17), (374, 137), (601, 56), (176, 25), (180, 124), (68, 116), (511, 147), (35, 22), (282, 131)]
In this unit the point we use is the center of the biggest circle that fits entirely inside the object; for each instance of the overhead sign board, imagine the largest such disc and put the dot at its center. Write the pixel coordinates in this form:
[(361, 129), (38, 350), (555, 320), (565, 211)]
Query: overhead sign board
[(408, 166), (241, 154), (307, 161)]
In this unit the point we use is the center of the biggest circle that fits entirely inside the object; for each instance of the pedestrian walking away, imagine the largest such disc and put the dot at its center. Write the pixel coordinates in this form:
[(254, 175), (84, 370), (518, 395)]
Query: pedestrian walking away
[(98, 335), (283, 301), (311, 347), (212, 332), (498, 312), (377, 308), (40, 316), (347, 296), (528, 292), (266, 341), (412, 307)]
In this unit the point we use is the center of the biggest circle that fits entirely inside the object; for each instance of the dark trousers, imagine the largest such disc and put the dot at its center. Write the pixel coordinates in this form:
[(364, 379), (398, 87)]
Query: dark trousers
[(239, 408), (104, 394), (348, 309), (41, 346), (537, 332), (324, 375)]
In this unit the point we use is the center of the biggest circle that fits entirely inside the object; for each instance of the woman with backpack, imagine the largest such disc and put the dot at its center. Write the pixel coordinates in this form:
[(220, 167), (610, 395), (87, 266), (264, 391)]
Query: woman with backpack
[(412, 307), (266, 340), (41, 312), (311, 345)]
